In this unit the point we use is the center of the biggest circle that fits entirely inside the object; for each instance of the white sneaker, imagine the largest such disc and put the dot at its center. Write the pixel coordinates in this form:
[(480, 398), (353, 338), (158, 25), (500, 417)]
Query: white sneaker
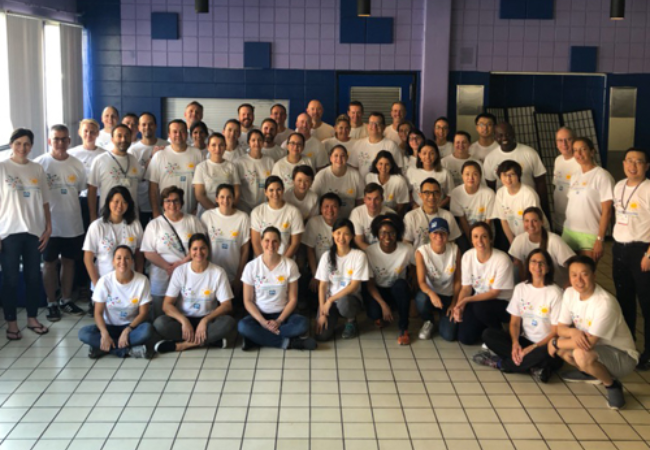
[(426, 330)]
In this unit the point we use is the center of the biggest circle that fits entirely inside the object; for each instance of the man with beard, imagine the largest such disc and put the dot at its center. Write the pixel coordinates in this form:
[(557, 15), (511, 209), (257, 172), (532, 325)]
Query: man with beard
[(246, 113), (271, 149)]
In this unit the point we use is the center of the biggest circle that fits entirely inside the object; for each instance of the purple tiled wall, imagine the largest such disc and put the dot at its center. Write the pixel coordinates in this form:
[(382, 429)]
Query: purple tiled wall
[(481, 41), (304, 35)]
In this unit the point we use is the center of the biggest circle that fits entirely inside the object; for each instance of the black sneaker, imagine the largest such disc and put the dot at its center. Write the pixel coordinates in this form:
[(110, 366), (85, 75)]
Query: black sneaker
[(644, 362), (53, 312), (541, 374), (247, 345), (303, 344), (576, 376), (615, 397), (71, 308), (95, 353), (165, 347)]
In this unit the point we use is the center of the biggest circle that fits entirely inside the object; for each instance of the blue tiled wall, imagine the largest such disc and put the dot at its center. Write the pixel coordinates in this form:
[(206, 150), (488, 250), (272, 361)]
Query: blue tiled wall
[(138, 89)]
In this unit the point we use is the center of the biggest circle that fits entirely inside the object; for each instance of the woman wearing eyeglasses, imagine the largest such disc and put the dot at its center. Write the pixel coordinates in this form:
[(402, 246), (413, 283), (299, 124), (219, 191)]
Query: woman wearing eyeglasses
[(166, 243), (284, 167)]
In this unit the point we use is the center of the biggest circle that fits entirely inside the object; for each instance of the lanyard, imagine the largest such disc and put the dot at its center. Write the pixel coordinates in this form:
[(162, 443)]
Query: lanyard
[(176, 234), (625, 205), (128, 164)]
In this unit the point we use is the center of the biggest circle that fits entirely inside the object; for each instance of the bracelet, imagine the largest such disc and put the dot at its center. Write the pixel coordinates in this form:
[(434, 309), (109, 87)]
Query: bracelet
[(130, 327)]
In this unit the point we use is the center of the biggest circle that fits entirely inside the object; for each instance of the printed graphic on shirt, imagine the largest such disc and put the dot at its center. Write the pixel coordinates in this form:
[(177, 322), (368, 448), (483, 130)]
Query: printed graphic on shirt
[(122, 307), (16, 184), (198, 299)]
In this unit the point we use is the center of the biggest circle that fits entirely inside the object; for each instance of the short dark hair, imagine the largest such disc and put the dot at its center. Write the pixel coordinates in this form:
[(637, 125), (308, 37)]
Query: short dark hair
[(356, 103), (272, 229), (199, 124), (474, 164), (373, 187), (21, 132), (385, 154), (485, 226), (338, 147), (388, 219), (253, 132), (203, 238), (195, 103), (123, 247), (228, 187), (216, 135), (169, 190), (150, 114), (582, 259), (176, 121), (437, 163), (486, 115), (278, 105), (635, 149), (270, 120), (296, 134), (245, 105), (273, 179), (548, 278), (233, 121), (441, 118), (401, 103), (329, 196), (430, 180), (118, 126), (129, 215), (507, 165), (306, 170), (130, 114), (380, 115), (465, 134)]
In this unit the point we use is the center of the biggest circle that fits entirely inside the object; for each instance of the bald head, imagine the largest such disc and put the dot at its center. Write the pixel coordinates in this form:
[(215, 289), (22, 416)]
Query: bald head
[(315, 111), (504, 134), (304, 124)]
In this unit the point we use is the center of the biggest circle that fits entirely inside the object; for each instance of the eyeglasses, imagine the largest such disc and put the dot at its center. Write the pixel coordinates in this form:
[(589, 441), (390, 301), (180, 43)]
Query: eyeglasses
[(539, 263), (564, 141), (509, 174), (484, 125), (172, 201), (375, 124), (55, 139), (431, 193), (636, 162), (438, 127), (296, 144)]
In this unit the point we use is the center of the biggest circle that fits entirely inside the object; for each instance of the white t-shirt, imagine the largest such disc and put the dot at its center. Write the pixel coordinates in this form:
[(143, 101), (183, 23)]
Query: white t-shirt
[(531, 164), (351, 267), (104, 139), (324, 131), (446, 149), (282, 136), (23, 192), (122, 301), (455, 168), (333, 142), (228, 234), (65, 179), (632, 212), (237, 153), (359, 132), (479, 152), (586, 193), (416, 226), (276, 153), (392, 134), (476, 207), (110, 170), (160, 238), (562, 173), (86, 157), (396, 190), (440, 268), (211, 175), (495, 273), (143, 153), (271, 286), (318, 235), (387, 268), (315, 150), (170, 168), (284, 169), (349, 187), (363, 153), (252, 174), (286, 219), (511, 207), (539, 309), (558, 249), (362, 222), (103, 237), (417, 176), (308, 206), (199, 293), (600, 315)]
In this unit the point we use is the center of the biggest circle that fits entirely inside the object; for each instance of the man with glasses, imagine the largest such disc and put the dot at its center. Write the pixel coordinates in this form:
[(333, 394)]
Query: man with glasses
[(564, 166), (485, 128), (631, 250), (416, 222), (364, 151), (398, 114), (362, 216), (66, 178)]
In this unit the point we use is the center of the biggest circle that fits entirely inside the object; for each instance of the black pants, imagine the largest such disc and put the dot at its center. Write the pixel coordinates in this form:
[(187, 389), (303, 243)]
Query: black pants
[(631, 283), (481, 315), (397, 295), (81, 277), (500, 343)]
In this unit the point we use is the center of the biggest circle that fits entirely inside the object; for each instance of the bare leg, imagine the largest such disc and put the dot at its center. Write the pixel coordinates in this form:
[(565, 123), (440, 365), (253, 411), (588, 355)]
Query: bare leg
[(587, 361)]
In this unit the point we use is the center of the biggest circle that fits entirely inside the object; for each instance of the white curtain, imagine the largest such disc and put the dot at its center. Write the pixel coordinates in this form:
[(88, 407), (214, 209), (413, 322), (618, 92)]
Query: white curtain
[(26, 96), (71, 65)]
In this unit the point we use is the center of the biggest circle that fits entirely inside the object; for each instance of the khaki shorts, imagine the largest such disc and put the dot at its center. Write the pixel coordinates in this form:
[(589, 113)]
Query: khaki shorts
[(618, 363)]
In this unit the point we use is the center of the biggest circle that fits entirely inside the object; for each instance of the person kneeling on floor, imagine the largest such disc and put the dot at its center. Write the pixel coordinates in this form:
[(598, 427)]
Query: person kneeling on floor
[(592, 333)]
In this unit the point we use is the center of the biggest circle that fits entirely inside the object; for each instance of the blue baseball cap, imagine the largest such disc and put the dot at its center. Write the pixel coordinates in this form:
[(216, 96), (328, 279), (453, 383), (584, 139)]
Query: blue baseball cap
[(438, 224)]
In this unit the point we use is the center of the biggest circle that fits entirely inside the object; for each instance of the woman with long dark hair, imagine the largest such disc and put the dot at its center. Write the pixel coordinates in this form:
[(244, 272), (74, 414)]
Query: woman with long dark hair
[(385, 172)]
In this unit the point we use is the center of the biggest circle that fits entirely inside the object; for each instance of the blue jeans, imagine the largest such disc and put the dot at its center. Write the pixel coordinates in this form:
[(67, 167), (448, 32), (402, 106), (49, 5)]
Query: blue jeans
[(398, 294), (448, 330), (140, 335), (295, 325), (15, 247)]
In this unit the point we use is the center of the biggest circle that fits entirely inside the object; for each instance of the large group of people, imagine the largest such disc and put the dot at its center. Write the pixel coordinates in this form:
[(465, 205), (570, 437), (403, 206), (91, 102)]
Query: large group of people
[(175, 237)]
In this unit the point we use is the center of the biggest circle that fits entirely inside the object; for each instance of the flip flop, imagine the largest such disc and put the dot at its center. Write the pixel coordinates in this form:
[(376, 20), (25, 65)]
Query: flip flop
[(14, 335), (39, 329)]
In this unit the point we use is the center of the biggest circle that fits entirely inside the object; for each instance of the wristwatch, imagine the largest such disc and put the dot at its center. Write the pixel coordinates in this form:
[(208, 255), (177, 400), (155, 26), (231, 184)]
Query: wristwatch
[(598, 238), (554, 342)]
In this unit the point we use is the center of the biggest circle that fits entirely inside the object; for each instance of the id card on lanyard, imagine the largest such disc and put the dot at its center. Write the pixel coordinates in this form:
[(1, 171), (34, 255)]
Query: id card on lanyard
[(125, 180)]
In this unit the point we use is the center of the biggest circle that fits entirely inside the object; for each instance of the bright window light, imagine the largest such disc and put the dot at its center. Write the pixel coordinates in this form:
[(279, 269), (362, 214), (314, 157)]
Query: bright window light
[(6, 127), (53, 77)]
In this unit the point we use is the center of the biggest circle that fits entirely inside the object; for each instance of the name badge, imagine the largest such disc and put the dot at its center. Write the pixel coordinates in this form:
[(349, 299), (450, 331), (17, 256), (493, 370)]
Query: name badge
[(534, 323), (260, 185), (125, 182), (622, 219), (122, 314), (183, 178), (272, 292), (196, 306), (343, 284), (26, 194), (224, 246), (560, 188), (64, 191)]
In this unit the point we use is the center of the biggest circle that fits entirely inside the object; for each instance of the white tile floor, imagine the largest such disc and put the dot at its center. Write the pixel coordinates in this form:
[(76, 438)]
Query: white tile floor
[(363, 394)]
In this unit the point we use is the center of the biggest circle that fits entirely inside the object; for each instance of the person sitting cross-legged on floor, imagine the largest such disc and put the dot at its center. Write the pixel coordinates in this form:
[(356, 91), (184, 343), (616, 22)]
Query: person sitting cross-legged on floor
[(534, 310), (270, 297), (592, 333)]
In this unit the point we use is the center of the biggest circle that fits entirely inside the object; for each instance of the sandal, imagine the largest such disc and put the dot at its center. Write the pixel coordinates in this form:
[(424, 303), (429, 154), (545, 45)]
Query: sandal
[(14, 335), (39, 329)]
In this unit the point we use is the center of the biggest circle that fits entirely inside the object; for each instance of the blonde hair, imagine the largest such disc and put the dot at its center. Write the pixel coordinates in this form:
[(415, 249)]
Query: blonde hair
[(92, 122)]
